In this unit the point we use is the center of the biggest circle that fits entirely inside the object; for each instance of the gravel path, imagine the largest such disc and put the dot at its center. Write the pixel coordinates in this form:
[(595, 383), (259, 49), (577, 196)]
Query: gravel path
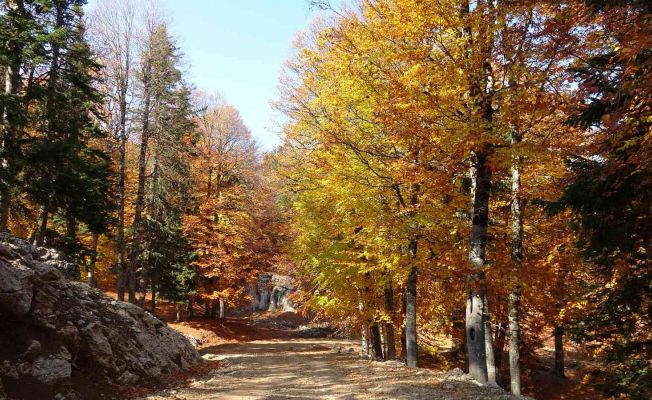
[(319, 369)]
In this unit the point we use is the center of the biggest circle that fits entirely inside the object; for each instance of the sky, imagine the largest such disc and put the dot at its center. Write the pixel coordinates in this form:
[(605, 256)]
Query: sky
[(237, 47)]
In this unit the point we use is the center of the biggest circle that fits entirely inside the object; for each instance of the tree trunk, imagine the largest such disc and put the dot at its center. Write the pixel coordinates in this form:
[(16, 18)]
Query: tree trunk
[(190, 312), (489, 345), (153, 305), (559, 351), (411, 313), (499, 349), (71, 237), (514, 343), (8, 142), (214, 310), (124, 79), (517, 260), (178, 313), (376, 345), (475, 313), (120, 234), (41, 226), (93, 260), (364, 339), (139, 205), (222, 308), (389, 326)]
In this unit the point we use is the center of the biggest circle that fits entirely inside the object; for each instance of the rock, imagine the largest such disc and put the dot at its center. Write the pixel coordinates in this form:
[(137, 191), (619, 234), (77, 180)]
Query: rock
[(47, 316), (53, 368), (16, 288), (32, 351), (271, 293)]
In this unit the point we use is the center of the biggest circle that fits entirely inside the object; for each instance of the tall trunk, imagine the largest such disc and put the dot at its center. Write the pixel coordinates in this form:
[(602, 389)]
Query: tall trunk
[(475, 302), (517, 260), (190, 311), (123, 87), (120, 234), (376, 345), (364, 339), (41, 226), (139, 205), (222, 308), (500, 345), (214, 309), (390, 341), (153, 289), (489, 345), (8, 142), (93, 259), (514, 343), (71, 236), (411, 311), (559, 351), (478, 55), (51, 113), (178, 313), (364, 326)]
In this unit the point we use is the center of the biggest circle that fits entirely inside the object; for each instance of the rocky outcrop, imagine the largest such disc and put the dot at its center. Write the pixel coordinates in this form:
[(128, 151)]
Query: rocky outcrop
[(62, 339), (272, 293)]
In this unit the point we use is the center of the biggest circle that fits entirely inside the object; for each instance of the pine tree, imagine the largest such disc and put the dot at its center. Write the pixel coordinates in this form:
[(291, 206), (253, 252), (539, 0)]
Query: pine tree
[(65, 171), (166, 140)]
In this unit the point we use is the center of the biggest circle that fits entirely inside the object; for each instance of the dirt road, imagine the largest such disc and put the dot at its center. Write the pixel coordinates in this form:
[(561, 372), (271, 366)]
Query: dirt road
[(319, 369)]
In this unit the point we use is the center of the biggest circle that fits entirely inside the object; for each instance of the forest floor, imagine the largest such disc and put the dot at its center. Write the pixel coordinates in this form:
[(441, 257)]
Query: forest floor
[(274, 363)]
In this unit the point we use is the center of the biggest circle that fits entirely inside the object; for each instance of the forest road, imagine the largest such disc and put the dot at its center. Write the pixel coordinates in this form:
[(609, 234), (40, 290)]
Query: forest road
[(319, 369)]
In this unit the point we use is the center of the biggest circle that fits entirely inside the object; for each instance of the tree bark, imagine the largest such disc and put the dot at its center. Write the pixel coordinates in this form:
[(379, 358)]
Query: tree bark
[(411, 312), (93, 260), (514, 343), (120, 234), (8, 143), (475, 302), (71, 236), (190, 311), (364, 339), (222, 308), (489, 345), (41, 226), (517, 260), (376, 345), (153, 305), (559, 351), (389, 326), (214, 309), (139, 205)]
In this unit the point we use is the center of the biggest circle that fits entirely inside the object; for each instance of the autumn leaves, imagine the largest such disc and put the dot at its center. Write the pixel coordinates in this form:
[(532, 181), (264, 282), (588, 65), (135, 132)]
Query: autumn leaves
[(417, 131)]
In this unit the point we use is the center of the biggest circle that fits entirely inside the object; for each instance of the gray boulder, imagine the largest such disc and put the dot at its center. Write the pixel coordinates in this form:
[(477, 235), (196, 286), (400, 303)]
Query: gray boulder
[(60, 337)]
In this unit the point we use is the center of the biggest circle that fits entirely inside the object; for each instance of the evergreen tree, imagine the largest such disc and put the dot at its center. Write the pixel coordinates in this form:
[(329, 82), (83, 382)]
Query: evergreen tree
[(612, 193), (65, 171), (163, 184), (21, 51)]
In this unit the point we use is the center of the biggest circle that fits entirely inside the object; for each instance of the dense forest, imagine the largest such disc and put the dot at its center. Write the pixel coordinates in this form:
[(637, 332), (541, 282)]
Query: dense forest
[(470, 171)]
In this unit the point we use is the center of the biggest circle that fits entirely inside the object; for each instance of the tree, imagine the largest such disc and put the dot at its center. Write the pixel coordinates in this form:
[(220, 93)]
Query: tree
[(611, 193), (65, 170), (167, 142), (113, 37)]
